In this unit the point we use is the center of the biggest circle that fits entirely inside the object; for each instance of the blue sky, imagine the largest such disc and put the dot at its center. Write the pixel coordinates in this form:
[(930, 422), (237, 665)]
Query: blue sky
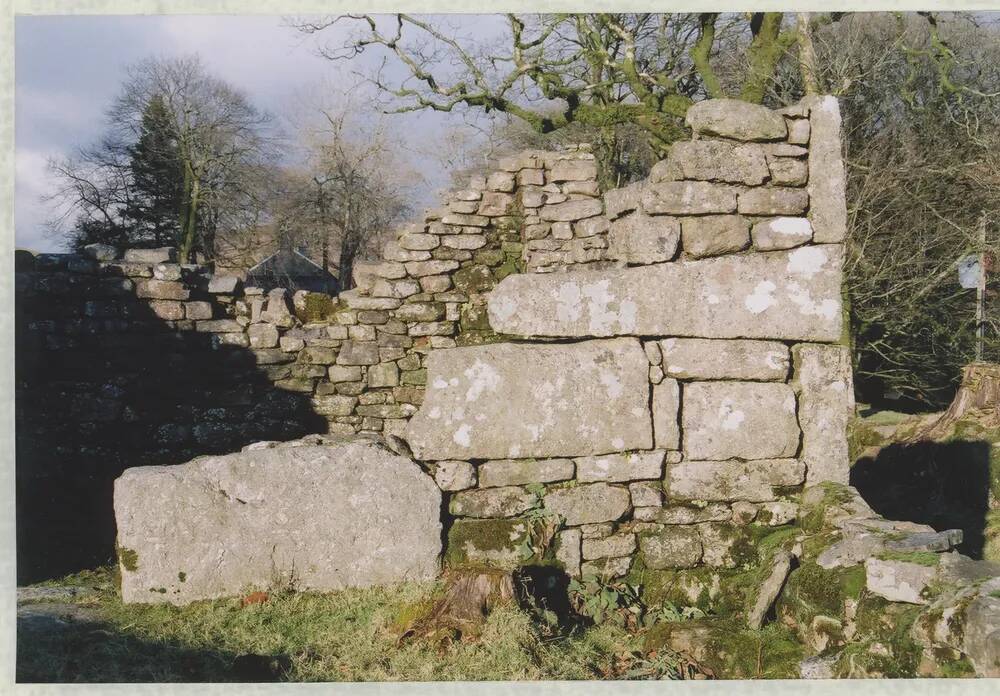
[(69, 68)]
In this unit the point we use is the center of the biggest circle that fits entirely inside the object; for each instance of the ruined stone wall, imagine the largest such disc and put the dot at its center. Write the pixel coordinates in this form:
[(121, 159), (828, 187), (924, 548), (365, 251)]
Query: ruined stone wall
[(662, 361), (660, 400)]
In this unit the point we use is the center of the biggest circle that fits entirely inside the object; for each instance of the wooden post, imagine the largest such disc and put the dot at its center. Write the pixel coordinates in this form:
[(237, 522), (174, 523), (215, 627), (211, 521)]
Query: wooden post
[(981, 291)]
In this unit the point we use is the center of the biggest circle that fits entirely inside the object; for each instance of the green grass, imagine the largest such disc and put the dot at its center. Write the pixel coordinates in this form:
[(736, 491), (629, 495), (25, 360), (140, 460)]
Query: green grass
[(350, 635)]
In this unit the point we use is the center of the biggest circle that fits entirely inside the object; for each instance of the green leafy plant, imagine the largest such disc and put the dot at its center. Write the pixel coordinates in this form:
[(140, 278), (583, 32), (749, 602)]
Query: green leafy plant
[(617, 602)]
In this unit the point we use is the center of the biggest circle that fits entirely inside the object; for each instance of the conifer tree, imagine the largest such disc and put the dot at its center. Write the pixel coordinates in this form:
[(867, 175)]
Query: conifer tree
[(156, 204)]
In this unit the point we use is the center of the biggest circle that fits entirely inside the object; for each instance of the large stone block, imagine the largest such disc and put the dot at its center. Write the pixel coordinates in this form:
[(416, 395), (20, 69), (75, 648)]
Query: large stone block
[(827, 177), (712, 235), (732, 480), (689, 198), (823, 379), (633, 466), (512, 401), (676, 547), (790, 295), (745, 420), (737, 119), (321, 517), (715, 160), (706, 358)]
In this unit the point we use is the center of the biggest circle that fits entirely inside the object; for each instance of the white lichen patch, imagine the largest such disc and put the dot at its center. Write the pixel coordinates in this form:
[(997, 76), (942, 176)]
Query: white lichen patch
[(802, 298), (807, 261), (612, 384), (504, 308), (730, 417), (482, 377), (462, 435), (618, 443), (791, 227), (775, 360), (761, 298), (568, 302)]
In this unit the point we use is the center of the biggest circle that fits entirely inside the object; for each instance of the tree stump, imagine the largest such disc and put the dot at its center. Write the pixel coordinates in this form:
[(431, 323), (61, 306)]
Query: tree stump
[(978, 399), (468, 599)]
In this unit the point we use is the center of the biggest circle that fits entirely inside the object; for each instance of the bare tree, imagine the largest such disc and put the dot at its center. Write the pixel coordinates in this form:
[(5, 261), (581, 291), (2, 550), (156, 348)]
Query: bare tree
[(217, 136)]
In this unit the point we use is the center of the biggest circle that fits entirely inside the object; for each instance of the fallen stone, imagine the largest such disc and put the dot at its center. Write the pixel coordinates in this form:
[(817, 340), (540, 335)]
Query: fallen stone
[(781, 565), (589, 503), (711, 359), (754, 481), (315, 517), (746, 420), (467, 414), (981, 640), (737, 119), (898, 581), (792, 295), (850, 551), (926, 542)]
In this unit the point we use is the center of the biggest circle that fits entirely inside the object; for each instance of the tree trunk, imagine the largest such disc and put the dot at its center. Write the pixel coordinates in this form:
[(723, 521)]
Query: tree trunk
[(807, 55), (978, 399)]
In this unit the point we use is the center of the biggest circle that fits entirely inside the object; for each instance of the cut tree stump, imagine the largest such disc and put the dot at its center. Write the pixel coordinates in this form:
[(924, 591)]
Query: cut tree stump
[(978, 399), (468, 598)]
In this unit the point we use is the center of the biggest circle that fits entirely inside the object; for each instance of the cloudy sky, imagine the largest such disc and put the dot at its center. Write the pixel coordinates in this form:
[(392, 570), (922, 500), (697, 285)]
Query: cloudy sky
[(68, 69)]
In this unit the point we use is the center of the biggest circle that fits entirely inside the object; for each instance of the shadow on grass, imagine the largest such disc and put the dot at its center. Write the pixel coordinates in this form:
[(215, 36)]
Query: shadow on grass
[(61, 644), (944, 485)]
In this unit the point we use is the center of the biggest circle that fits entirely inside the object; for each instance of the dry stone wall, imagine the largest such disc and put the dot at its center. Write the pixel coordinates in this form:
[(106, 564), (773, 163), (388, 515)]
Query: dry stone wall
[(672, 372), (660, 365)]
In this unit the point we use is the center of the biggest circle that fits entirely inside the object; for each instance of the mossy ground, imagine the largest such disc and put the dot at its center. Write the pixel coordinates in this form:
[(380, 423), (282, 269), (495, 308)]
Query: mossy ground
[(352, 635)]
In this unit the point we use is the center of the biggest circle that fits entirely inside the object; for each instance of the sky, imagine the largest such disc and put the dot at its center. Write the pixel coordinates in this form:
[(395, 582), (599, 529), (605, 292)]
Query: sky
[(68, 69)]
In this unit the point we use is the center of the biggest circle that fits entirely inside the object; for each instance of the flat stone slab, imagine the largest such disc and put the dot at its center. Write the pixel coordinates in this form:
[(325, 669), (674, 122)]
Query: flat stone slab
[(787, 295), (744, 420), (706, 358), (513, 401), (731, 480), (320, 518)]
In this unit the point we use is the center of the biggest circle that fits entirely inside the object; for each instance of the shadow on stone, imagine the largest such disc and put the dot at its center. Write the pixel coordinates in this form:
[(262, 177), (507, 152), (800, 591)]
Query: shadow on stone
[(944, 485), (104, 387)]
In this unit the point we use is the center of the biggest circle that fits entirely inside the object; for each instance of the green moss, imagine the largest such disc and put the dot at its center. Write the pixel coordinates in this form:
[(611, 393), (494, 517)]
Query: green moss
[(731, 650), (924, 558), (499, 543), (861, 436), (317, 307), (813, 591), (474, 318), (813, 514), (182, 576), (127, 558), (883, 646), (473, 279), (953, 668)]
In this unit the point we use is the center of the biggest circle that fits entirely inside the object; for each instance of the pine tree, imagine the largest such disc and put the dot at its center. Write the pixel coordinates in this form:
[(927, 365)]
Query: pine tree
[(158, 179)]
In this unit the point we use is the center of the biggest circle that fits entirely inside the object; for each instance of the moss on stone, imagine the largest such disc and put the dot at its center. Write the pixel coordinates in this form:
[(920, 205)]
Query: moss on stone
[(182, 576), (317, 307), (496, 543), (924, 558), (952, 668), (127, 558), (733, 651), (473, 279), (883, 645), (813, 591), (860, 437)]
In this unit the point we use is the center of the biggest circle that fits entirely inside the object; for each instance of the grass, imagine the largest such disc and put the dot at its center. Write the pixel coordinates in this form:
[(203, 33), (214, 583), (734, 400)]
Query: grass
[(350, 635)]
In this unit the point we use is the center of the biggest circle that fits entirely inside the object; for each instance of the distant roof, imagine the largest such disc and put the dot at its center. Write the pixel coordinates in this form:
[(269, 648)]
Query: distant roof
[(292, 269)]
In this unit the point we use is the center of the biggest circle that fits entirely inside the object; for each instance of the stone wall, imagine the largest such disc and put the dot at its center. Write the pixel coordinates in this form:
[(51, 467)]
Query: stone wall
[(667, 393), (663, 359)]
